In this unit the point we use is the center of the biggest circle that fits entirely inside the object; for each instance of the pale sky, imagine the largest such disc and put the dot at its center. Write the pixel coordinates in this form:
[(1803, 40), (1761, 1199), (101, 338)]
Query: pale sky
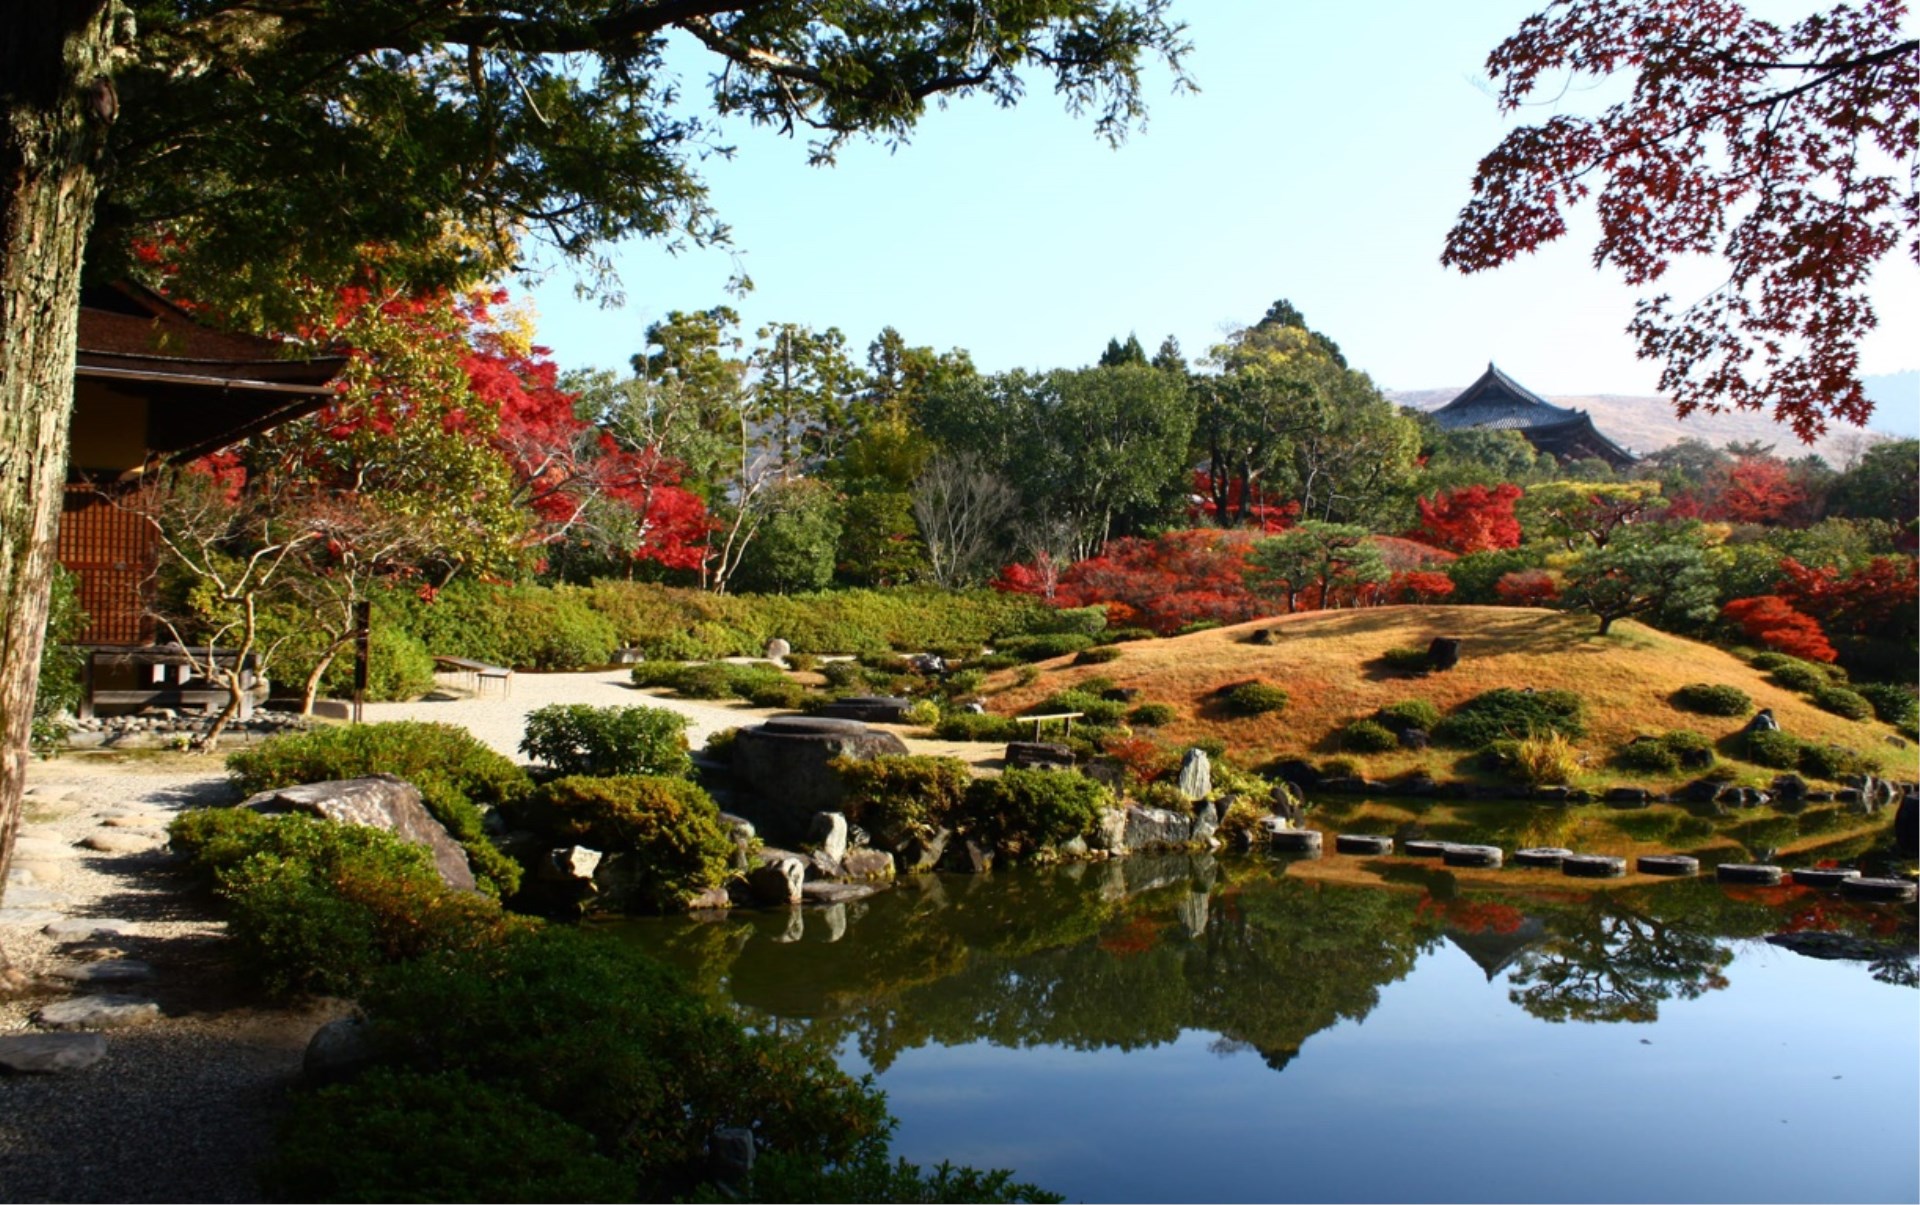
[(1323, 160)]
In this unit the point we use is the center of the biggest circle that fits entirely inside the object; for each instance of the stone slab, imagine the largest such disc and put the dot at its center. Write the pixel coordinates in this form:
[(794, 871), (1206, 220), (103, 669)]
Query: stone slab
[(98, 1012), (86, 928), (48, 1053), (107, 970), (121, 842)]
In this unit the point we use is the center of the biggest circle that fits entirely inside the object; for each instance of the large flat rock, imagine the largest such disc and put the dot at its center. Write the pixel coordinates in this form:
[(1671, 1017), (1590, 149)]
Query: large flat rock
[(48, 1053), (98, 1012), (380, 801)]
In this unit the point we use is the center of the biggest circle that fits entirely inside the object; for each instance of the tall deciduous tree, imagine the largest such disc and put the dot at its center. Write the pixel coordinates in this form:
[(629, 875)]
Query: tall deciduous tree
[(277, 140), (1785, 150)]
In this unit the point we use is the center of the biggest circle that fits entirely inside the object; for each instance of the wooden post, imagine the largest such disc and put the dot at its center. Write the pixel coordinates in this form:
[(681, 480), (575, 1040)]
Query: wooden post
[(362, 653)]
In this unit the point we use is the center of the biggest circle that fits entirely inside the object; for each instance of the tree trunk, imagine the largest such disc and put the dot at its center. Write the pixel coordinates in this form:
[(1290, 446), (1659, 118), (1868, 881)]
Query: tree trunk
[(56, 98)]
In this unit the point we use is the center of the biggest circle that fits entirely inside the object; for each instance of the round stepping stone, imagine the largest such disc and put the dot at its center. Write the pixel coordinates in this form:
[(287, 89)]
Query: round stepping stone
[(1424, 849), (1592, 866), (1362, 843), (1827, 877), (47, 1053), (1549, 856), (28, 918), (40, 847), (1296, 841), (143, 820), (1899, 891), (107, 970), (34, 874), (1677, 866), (120, 842), (1743, 872), (1486, 857), (98, 1012), (85, 929)]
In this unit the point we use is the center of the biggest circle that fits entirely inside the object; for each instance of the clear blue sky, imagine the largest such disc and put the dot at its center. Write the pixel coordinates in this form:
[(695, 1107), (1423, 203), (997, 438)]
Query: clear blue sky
[(1323, 160)]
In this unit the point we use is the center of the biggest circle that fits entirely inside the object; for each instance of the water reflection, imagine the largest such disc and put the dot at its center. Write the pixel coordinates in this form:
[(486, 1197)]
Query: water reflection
[(1130, 954)]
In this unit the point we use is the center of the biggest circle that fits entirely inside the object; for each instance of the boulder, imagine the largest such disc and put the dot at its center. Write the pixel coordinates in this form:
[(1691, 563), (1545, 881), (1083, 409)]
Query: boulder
[(1286, 801), (573, 864), (98, 1012), (828, 834), (867, 865), (1038, 755), (47, 1053), (778, 649), (1108, 772), (968, 857), (1196, 775), (1629, 797), (868, 709), (379, 801), (786, 761), (921, 851), (779, 879), (1299, 772), (338, 1051), (1109, 831), (1414, 738), (837, 893), (1155, 828), (1443, 652), (1762, 721), (930, 664)]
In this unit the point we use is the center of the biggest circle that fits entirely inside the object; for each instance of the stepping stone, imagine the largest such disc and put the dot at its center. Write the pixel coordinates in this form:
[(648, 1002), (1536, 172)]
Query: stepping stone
[(1814, 876), (28, 918), (33, 897), (1593, 866), (46, 1053), (1362, 843), (98, 1012), (1900, 891), (85, 929), (1737, 872), (146, 821), (1549, 856), (121, 843), (1486, 857), (1671, 865), (107, 970), (1296, 841), (40, 847), (34, 874), (1425, 849)]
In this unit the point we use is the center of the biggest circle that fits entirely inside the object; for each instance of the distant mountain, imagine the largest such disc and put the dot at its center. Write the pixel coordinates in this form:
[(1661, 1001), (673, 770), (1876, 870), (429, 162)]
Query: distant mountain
[(1647, 424)]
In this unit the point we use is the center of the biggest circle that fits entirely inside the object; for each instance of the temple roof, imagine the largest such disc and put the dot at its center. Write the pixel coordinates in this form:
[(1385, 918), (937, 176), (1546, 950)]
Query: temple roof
[(1497, 401)]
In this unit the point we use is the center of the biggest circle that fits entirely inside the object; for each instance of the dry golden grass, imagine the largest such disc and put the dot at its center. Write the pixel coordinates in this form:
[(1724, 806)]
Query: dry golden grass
[(1328, 662)]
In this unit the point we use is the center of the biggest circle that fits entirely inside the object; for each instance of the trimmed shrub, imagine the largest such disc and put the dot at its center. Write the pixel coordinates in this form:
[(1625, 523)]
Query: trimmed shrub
[(1842, 702), (1072, 621), (575, 738), (1797, 676), (1830, 761), (1649, 755), (1407, 714), (1128, 635), (1096, 709), (1706, 698), (1044, 647), (456, 774), (1776, 750), (900, 799), (847, 675), (669, 827), (1894, 704), (1103, 655), (1406, 661), (314, 906), (1255, 698), (1368, 736), (1694, 750), (784, 696), (1153, 715), (1025, 810), (1505, 713), (968, 726)]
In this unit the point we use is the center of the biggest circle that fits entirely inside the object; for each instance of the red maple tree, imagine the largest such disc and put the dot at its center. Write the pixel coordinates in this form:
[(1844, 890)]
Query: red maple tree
[(1755, 489), (1880, 598), (1772, 621), (1473, 519), (1528, 588), (1163, 583), (1418, 586)]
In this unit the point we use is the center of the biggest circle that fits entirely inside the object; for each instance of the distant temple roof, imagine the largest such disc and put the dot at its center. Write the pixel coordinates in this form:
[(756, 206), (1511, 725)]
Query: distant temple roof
[(1498, 401)]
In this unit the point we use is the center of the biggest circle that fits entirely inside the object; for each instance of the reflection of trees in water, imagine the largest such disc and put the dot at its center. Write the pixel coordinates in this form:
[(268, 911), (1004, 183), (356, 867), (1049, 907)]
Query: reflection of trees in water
[(1609, 962)]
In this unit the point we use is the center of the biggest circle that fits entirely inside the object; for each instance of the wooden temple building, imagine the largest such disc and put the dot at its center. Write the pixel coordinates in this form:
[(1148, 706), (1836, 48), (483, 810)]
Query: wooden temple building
[(153, 386), (1498, 401)]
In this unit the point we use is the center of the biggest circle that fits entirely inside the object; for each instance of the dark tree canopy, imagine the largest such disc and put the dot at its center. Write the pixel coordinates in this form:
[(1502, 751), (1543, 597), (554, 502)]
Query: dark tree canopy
[(1788, 152)]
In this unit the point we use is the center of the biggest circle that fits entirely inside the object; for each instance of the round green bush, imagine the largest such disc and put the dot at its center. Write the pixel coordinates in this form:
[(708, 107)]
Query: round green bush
[(1693, 750), (1367, 736), (1776, 750), (1505, 713), (1407, 661), (1842, 702), (1771, 660), (1255, 698), (1797, 676), (903, 798), (575, 738), (785, 695), (670, 829), (1095, 709), (1706, 698), (1153, 715), (1103, 655), (1829, 761), (968, 726), (1649, 755), (1892, 703), (1025, 810), (1408, 714), (1043, 647)]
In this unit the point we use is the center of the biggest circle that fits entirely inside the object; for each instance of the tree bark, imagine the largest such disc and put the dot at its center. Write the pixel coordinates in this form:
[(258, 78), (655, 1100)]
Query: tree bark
[(56, 101)]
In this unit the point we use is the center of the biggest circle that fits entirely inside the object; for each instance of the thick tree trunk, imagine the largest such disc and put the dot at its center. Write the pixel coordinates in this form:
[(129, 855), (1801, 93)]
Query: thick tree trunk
[(56, 98)]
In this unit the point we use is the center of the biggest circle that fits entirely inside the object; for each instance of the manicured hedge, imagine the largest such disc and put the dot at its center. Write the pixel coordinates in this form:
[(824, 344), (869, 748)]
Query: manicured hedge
[(1022, 811), (576, 738), (903, 798), (1508, 714), (1255, 698), (669, 828), (1707, 698)]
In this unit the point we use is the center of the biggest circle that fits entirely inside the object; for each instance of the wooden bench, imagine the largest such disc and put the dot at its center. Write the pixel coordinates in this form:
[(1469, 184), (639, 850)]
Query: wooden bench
[(165, 675), (1067, 716), (479, 673)]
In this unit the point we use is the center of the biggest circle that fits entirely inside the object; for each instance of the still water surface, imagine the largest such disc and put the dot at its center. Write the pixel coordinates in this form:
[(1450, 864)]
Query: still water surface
[(1166, 1029)]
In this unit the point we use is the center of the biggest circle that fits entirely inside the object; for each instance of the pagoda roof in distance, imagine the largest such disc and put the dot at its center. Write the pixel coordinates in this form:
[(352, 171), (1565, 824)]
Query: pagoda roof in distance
[(1497, 401)]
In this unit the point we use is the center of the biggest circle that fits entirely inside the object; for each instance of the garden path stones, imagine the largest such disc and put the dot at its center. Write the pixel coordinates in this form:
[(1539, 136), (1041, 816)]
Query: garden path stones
[(1671, 865), (37, 848), (1900, 891), (1592, 866), (107, 970), (121, 842), (1829, 878), (1296, 841), (86, 929), (1485, 857), (1547, 856), (48, 1053), (98, 1012), (1424, 849), (1362, 843), (1737, 872), (34, 874)]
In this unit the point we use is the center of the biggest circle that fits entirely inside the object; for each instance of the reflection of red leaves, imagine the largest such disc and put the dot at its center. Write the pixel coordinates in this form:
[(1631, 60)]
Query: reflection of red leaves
[(1137, 936), (1473, 916)]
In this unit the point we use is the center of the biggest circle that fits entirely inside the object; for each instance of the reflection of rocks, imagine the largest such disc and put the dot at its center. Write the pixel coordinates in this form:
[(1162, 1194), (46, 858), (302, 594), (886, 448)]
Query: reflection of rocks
[(1192, 911), (1837, 947)]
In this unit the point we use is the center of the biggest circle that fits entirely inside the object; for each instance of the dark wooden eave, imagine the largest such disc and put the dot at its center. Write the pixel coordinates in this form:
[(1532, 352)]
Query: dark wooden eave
[(1497, 401)]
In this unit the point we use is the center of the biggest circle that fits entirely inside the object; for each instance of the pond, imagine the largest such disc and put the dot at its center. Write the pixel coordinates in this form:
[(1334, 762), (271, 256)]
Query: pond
[(1181, 1028)]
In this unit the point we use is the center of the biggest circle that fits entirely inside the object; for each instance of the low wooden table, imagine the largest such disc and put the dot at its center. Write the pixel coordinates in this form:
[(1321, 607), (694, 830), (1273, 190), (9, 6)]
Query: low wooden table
[(478, 672)]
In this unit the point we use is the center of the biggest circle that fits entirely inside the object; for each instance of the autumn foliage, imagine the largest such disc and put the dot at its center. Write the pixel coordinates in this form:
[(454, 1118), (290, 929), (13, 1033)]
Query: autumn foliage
[(1163, 583), (1881, 598), (1528, 588), (1772, 621), (1474, 519)]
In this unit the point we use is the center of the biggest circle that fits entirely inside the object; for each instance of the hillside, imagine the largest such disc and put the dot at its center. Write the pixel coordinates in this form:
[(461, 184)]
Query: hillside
[(1646, 424), (1328, 662)]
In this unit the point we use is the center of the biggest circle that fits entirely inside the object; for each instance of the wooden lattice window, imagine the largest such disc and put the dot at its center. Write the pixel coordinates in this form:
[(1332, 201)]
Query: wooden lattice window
[(112, 553)]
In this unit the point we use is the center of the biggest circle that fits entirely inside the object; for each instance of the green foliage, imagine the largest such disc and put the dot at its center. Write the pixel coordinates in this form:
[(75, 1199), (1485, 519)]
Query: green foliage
[(394, 1135), (793, 550), (1096, 709), (967, 726), (1043, 647), (525, 627), (1022, 811), (1842, 702), (669, 828), (1407, 714), (1368, 736), (1660, 575), (1798, 677), (1893, 703), (725, 680), (1667, 754), (1505, 713), (59, 686), (1706, 698), (575, 738), (903, 798), (456, 774), (1407, 660), (1153, 715), (1830, 761), (1545, 759), (1774, 749), (1476, 574), (1255, 698), (1097, 656), (314, 906)]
